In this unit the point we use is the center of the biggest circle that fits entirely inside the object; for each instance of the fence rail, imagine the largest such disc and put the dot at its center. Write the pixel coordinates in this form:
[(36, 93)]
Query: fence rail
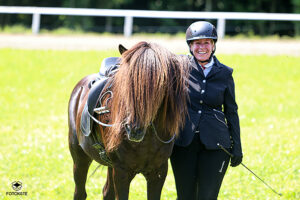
[(130, 14)]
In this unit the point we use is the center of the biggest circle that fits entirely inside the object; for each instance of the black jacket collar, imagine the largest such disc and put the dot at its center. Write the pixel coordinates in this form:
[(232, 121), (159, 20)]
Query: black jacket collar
[(215, 68)]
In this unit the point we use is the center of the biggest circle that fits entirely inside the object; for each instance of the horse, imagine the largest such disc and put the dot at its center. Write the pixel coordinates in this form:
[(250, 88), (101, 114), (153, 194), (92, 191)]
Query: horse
[(146, 110)]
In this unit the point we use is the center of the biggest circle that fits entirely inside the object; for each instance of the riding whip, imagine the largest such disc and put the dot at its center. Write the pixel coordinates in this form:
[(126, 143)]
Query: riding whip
[(249, 170)]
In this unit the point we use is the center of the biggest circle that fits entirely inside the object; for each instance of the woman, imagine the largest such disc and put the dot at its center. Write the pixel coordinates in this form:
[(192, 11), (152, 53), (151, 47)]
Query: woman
[(198, 163)]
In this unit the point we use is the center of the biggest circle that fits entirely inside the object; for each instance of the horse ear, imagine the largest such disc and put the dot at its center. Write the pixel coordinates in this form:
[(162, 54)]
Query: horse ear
[(122, 49)]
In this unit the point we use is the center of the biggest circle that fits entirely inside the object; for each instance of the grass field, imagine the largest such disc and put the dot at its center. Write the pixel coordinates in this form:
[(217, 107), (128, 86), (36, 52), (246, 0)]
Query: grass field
[(34, 92)]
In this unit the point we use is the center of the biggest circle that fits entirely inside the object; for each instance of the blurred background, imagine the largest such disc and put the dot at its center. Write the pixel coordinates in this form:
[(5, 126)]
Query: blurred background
[(39, 71), (150, 25)]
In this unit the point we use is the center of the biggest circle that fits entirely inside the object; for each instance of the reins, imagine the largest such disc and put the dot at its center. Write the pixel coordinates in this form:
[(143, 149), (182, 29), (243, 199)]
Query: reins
[(156, 134), (104, 109), (152, 126)]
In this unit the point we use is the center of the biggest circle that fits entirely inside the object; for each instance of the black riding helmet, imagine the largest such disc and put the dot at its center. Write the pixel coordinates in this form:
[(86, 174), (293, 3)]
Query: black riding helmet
[(201, 30)]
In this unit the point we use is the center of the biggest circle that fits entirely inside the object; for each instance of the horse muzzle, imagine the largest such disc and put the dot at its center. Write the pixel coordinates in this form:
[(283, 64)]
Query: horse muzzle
[(134, 134)]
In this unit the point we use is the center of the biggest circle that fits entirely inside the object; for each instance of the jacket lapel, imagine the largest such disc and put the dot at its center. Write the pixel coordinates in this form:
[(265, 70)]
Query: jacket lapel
[(196, 66), (215, 68)]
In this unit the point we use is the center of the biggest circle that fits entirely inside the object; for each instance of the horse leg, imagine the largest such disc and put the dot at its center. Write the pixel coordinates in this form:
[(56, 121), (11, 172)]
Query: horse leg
[(108, 189), (122, 179), (155, 182), (80, 169)]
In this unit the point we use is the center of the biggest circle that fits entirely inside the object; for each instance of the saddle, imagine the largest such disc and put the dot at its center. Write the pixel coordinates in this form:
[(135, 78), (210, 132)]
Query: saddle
[(93, 105), (108, 67)]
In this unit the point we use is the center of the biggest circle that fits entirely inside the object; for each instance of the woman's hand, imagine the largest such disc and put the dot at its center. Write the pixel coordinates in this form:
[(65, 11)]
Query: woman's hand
[(236, 160)]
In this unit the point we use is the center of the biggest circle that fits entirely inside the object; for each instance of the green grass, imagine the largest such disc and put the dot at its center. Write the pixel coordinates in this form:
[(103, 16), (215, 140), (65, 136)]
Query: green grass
[(34, 92)]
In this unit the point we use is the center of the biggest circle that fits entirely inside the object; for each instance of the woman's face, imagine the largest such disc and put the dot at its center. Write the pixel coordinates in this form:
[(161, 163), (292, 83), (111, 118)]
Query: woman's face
[(202, 49)]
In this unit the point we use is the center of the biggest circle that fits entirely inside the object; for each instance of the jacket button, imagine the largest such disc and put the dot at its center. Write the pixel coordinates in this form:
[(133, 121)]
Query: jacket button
[(201, 102), (202, 91), (204, 81), (199, 111)]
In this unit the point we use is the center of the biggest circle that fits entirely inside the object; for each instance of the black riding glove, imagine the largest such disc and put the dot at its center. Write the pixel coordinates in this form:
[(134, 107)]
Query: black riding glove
[(235, 160), (237, 156)]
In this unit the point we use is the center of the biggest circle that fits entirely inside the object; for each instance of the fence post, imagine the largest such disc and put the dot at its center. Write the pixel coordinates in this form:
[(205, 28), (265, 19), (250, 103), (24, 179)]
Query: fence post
[(36, 18), (221, 28), (128, 21)]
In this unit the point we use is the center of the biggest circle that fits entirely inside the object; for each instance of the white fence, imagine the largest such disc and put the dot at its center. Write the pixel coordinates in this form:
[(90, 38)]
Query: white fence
[(130, 14)]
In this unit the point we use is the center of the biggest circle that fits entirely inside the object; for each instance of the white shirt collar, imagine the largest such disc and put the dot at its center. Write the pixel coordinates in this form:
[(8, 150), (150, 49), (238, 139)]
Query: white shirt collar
[(208, 65)]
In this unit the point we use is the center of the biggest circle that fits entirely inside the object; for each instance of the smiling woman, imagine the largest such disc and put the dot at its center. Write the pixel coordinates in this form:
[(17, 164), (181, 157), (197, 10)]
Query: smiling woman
[(199, 165)]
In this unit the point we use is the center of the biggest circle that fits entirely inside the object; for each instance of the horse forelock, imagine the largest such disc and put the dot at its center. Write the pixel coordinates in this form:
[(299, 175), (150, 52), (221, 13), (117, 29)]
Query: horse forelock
[(150, 81)]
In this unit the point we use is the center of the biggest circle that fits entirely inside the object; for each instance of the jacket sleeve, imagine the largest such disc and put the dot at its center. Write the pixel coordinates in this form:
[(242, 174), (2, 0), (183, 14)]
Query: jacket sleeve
[(231, 114)]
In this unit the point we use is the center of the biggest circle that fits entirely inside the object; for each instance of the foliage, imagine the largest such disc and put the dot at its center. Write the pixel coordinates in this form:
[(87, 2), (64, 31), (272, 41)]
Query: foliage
[(16, 29), (35, 87)]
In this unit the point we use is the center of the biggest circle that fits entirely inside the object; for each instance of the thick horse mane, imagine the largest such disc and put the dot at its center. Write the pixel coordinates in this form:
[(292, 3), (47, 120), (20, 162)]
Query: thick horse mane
[(151, 81)]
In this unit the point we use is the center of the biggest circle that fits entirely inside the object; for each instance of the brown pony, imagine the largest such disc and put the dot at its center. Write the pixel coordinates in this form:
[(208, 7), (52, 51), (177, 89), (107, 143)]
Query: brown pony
[(147, 109)]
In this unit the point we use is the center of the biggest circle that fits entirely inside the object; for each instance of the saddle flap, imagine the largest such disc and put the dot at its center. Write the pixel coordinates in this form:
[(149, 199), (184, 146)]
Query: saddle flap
[(85, 121)]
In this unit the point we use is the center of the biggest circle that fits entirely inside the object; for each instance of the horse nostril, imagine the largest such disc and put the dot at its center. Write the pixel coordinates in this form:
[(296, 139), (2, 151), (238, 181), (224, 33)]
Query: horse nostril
[(127, 128)]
